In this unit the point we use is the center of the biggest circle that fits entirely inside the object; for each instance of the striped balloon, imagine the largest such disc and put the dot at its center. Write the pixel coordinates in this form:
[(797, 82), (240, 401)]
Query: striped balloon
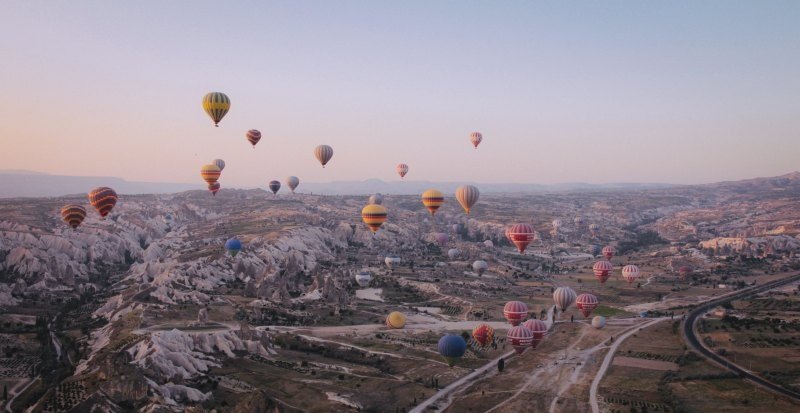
[(515, 312), (475, 138), (432, 199), (253, 136), (402, 170), (578, 220), (216, 105), (467, 196), (539, 329), (483, 334), (452, 348), (608, 252), (375, 199), (520, 338), (324, 153), (396, 320), (73, 215), (214, 187), (521, 235), (210, 173), (564, 297), (219, 163), (602, 270), (586, 303), (374, 216), (594, 227), (292, 182), (103, 200), (630, 273), (274, 186), (557, 224)]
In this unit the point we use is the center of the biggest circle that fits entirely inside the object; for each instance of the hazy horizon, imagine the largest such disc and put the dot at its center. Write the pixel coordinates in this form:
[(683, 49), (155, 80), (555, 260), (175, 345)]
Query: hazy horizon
[(678, 93)]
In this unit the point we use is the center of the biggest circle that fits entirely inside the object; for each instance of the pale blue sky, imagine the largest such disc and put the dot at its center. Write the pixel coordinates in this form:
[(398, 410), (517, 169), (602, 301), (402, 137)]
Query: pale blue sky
[(612, 91)]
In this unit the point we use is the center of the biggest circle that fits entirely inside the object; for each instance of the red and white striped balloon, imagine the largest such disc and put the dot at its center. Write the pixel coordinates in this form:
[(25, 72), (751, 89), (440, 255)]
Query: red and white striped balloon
[(520, 338), (602, 270), (521, 235), (630, 273), (402, 170), (515, 312), (475, 138), (586, 303), (539, 329)]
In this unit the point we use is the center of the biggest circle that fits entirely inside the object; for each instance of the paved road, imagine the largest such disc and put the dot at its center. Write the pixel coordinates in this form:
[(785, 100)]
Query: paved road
[(690, 334), (609, 357)]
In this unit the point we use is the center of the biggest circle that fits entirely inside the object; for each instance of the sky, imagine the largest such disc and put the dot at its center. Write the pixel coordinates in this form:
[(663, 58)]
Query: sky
[(568, 91)]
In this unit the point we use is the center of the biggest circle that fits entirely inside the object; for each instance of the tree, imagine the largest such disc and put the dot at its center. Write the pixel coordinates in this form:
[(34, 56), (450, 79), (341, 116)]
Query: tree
[(501, 364), (5, 392)]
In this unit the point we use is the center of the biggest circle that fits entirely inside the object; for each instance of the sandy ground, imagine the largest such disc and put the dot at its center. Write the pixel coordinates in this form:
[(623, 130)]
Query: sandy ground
[(370, 294), (644, 364)]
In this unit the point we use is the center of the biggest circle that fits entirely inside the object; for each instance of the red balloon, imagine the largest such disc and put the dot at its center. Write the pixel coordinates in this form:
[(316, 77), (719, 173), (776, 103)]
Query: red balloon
[(521, 235)]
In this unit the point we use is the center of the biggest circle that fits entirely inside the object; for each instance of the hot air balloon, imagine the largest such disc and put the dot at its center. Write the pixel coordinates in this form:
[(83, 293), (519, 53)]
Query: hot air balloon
[(441, 238), (594, 228), (483, 334), (595, 250), (253, 136), (453, 253), (392, 262), (233, 246), (480, 266), (602, 270), (396, 320), (432, 199), (210, 173), (324, 153), (609, 251), (520, 338), (557, 224), (515, 312), (214, 187), (363, 278), (538, 328), (586, 303), (521, 235), (564, 297), (374, 216), (598, 322), (467, 196), (103, 200), (456, 227), (216, 104), (630, 273), (292, 182), (578, 221), (274, 186), (684, 271), (452, 348), (488, 243), (375, 199), (73, 215), (475, 138), (402, 170), (219, 164)]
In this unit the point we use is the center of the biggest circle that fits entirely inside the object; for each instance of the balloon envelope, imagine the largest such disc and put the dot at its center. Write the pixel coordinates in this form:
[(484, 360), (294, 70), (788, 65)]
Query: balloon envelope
[(452, 348), (292, 182), (233, 246), (73, 215), (216, 105), (396, 320), (467, 196), (323, 153), (103, 200)]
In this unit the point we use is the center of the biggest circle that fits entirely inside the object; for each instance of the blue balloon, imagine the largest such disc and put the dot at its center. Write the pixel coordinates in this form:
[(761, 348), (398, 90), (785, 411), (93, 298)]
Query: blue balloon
[(233, 246), (452, 348)]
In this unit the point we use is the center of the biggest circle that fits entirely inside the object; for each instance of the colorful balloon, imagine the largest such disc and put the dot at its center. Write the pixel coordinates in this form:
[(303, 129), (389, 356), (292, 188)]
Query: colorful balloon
[(520, 338), (374, 216), (586, 303), (274, 186), (210, 173), (483, 334), (292, 182), (233, 246), (253, 136), (515, 312), (480, 266), (432, 199), (452, 348), (214, 187), (602, 270), (467, 196), (564, 297), (475, 138), (609, 251), (396, 320), (557, 224), (578, 221), (402, 170), (538, 328), (73, 215), (216, 105), (103, 200), (521, 235), (324, 153), (630, 273), (598, 322), (594, 228), (363, 278), (219, 163), (375, 199)]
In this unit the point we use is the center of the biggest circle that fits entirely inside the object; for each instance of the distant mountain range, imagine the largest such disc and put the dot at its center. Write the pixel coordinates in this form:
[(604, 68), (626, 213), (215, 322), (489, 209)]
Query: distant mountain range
[(20, 183)]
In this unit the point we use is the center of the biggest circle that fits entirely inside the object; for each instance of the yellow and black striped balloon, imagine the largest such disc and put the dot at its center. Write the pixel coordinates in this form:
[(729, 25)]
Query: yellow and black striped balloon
[(103, 200), (210, 173), (374, 216), (216, 104), (432, 199), (73, 215)]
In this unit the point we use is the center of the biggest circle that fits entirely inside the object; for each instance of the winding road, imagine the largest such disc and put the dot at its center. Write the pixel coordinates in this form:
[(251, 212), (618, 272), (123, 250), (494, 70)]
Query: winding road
[(690, 334)]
